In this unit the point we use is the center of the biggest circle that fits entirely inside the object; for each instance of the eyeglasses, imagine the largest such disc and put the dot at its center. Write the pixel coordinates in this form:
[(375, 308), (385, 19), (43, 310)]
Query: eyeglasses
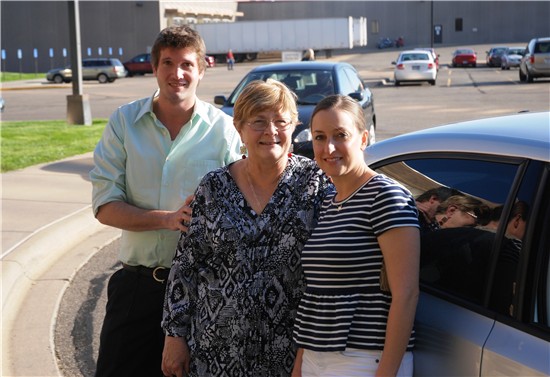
[(471, 214), (262, 124)]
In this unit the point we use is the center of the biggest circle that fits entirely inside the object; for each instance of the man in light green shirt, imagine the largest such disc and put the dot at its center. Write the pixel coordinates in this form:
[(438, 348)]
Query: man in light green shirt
[(151, 157)]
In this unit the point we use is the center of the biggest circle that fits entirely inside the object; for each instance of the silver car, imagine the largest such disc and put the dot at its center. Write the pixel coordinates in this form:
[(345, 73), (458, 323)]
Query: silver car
[(101, 69), (484, 307), (536, 60), (511, 57)]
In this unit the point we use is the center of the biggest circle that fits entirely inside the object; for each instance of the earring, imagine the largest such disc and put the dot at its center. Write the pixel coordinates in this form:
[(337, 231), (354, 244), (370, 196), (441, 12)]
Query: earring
[(291, 150), (243, 150)]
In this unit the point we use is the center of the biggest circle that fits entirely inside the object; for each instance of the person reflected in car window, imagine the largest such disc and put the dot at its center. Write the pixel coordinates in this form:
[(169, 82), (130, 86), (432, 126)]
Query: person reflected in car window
[(427, 204), (459, 211), (508, 259)]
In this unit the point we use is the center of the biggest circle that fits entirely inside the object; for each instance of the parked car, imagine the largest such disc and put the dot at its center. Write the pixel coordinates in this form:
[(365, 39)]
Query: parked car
[(311, 81), (415, 66), (511, 57), (141, 64), (483, 308), (2, 104), (434, 54), (210, 61), (493, 58), (464, 57), (535, 62), (101, 69)]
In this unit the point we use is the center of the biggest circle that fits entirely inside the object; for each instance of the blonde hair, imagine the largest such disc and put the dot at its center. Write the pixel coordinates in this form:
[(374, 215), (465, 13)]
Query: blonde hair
[(259, 96)]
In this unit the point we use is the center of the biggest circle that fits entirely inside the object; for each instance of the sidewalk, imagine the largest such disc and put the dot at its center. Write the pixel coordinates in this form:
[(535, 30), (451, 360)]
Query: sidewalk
[(48, 233)]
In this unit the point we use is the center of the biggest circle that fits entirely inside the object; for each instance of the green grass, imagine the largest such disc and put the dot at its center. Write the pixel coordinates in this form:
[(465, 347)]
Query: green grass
[(14, 76), (29, 143)]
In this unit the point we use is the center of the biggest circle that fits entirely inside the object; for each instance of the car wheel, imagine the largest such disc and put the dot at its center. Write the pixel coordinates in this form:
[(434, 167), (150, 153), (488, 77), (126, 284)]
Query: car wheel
[(432, 82), (502, 67), (102, 78), (474, 65), (397, 83), (58, 79), (521, 76), (528, 77), (372, 135)]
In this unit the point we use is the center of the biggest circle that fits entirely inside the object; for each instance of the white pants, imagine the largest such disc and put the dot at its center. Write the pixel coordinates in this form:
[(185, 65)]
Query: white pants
[(349, 363)]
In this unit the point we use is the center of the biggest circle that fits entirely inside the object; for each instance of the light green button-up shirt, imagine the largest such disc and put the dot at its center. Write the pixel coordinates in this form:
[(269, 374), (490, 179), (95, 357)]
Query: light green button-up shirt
[(137, 162)]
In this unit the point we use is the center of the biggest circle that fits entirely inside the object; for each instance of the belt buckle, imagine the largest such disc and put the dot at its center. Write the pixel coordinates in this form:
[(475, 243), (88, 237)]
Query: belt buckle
[(160, 268)]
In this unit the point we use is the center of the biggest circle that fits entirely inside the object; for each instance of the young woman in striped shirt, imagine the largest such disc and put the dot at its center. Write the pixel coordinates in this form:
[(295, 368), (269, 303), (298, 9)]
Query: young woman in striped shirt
[(349, 321)]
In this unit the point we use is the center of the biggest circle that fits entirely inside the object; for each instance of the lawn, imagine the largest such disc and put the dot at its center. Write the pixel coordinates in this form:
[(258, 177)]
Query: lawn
[(29, 143), (14, 76)]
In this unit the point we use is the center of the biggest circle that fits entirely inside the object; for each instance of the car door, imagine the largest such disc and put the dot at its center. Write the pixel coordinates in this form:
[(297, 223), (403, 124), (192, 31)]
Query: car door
[(519, 344), (482, 310)]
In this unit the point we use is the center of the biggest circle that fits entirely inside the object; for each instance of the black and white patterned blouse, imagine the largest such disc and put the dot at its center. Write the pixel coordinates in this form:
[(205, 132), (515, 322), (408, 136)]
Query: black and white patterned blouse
[(236, 279)]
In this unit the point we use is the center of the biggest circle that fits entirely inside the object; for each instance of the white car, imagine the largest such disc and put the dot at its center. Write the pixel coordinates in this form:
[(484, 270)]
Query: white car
[(484, 306), (415, 66), (511, 57)]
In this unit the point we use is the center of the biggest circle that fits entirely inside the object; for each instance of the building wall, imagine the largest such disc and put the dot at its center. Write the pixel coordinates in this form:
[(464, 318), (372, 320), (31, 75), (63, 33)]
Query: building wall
[(483, 21), (132, 25), (126, 27)]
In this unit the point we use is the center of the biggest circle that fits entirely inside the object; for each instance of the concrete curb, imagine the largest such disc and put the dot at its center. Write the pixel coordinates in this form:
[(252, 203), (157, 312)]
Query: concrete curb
[(34, 276)]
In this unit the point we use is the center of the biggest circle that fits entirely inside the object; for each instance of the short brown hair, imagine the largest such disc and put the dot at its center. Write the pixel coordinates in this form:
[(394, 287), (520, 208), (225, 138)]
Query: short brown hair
[(258, 96), (179, 37)]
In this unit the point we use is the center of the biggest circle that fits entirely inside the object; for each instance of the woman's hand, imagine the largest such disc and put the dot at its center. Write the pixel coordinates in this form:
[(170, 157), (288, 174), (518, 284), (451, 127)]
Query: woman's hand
[(175, 357)]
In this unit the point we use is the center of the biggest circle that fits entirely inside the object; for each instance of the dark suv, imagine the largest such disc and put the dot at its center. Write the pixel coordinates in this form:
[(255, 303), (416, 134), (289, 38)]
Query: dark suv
[(100, 69), (536, 60)]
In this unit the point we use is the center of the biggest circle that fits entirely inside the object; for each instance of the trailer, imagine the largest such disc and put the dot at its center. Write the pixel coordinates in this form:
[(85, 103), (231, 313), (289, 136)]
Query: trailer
[(249, 38)]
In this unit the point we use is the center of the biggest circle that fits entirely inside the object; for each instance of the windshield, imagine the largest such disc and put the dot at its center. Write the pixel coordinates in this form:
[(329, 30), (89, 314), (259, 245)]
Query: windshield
[(310, 86)]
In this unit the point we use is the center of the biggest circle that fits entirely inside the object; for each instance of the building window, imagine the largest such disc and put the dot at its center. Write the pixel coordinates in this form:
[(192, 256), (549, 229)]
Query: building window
[(458, 24), (375, 27)]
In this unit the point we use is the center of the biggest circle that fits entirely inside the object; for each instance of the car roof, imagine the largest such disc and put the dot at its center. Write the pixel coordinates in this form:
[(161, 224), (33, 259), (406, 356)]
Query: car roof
[(525, 135), (413, 52), (306, 65)]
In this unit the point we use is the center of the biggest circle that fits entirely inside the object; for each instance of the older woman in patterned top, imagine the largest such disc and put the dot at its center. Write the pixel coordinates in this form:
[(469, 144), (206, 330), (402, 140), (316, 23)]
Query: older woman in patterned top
[(236, 279)]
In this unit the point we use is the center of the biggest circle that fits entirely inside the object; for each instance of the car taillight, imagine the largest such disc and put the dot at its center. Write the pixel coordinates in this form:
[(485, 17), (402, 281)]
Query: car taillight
[(430, 65), (400, 66), (532, 59)]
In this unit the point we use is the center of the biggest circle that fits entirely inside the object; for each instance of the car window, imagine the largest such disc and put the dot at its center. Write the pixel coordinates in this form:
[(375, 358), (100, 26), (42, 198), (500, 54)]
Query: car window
[(309, 85), (353, 82), (542, 47), (469, 252)]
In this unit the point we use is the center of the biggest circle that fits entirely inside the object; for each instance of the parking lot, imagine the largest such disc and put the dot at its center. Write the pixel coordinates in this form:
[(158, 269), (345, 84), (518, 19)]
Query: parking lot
[(459, 94)]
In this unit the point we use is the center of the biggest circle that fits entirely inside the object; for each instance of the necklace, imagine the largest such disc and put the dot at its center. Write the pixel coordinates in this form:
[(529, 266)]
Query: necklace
[(339, 205), (254, 195), (252, 188)]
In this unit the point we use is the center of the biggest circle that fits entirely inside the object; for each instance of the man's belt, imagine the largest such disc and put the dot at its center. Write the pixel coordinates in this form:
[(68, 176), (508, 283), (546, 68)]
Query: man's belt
[(160, 274)]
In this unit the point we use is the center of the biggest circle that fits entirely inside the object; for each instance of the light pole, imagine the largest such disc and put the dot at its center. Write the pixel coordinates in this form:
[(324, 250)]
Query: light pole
[(78, 104)]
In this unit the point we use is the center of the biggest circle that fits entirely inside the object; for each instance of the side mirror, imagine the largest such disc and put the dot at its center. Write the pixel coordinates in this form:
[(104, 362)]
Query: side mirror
[(220, 100), (358, 96), (394, 63)]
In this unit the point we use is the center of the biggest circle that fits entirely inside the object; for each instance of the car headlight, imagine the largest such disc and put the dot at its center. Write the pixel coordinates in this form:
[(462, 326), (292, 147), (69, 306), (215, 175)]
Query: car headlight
[(303, 136)]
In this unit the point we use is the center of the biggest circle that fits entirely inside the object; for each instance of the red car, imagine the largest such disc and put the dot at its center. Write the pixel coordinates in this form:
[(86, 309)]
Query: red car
[(464, 57), (210, 61)]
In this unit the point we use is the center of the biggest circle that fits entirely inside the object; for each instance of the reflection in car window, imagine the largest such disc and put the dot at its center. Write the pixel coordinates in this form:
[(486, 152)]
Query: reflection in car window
[(459, 248)]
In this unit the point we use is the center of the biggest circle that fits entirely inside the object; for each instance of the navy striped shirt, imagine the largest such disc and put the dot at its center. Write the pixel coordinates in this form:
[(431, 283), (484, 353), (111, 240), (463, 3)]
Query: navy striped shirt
[(343, 305)]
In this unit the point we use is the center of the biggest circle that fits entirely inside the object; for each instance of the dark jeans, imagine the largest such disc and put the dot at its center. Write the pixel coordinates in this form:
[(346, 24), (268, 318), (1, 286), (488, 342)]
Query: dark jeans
[(132, 340)]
